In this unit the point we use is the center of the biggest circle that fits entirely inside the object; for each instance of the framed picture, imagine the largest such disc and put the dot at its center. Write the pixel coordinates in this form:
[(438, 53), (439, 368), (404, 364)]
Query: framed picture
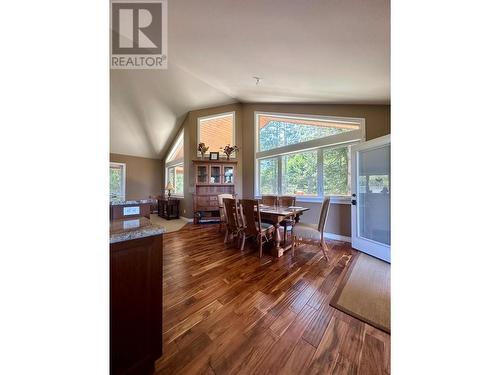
[(214, 156)]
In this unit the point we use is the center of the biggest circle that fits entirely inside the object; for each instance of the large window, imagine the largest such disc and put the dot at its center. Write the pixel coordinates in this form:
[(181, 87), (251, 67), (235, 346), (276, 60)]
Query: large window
[(116, 181), (216, 131), (306, 156), (174, 166), (175, 175)]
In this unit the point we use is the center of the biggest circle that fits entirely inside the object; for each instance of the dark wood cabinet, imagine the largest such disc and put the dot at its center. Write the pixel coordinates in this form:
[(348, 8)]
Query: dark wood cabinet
[(136, 271), (168, 208), (212, 177)]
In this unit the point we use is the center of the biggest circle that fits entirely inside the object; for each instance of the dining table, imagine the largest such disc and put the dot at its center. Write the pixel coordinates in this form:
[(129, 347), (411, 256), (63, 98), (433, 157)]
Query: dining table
[(276, 215)]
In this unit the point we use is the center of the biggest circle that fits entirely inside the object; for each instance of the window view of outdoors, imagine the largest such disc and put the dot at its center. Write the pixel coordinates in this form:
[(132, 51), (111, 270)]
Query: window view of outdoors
[(268, 176), (278, 132), (176, 177), (300, 173), (115, 183), (216, 131), (336, 171)]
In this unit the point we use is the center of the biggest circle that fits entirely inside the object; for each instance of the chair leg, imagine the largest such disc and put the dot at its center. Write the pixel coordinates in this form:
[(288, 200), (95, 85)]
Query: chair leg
[(243, 243), (293, 245), (284, 233), (324, 247), (260, 246), (226, 237)]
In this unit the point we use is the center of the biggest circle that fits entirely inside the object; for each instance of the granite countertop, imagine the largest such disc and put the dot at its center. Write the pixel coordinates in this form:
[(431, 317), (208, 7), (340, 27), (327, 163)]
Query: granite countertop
[(121, 202), (130, 229)]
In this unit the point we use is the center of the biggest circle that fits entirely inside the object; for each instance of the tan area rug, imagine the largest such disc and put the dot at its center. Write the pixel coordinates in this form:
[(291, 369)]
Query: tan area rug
[(365, 292), (170, 225)]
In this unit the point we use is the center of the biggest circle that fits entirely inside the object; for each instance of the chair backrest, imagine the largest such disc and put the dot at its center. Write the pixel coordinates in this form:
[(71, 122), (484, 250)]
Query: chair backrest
[(269, 200), (323, 215), (222, 210), (251, 217), (231, 214), (286, 201)]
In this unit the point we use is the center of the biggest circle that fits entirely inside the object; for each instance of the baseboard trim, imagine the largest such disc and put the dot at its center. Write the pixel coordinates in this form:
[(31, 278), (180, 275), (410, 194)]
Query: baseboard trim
[(337, 237)]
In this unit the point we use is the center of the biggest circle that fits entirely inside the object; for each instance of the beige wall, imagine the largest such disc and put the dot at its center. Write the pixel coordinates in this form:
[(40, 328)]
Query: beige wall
[(377, 119), (143, 176), (190, 127)]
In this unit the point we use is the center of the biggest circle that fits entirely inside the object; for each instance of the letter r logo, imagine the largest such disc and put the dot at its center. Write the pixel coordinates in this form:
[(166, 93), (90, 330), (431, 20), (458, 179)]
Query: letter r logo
[(136, 28)]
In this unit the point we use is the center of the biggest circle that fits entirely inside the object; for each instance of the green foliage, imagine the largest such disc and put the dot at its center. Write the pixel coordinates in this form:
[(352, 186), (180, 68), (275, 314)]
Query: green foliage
[(114, 182), (300, 173)]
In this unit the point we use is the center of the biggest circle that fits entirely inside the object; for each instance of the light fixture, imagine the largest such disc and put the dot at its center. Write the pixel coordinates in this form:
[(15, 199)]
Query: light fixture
[(169, 187)]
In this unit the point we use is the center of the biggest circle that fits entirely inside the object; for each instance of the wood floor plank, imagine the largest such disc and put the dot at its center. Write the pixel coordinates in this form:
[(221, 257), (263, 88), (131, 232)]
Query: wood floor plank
[(231, 312)]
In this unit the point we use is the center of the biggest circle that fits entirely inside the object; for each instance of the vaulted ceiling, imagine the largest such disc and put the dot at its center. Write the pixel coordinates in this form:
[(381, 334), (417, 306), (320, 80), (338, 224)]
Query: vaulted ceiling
[(315, 51)]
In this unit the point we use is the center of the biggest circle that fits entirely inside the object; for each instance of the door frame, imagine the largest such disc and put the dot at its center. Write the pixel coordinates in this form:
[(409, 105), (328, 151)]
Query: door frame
[(376, 249)]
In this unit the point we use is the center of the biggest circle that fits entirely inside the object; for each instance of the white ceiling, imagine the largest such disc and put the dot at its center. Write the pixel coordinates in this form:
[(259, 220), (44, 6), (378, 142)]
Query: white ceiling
[(307, 51)]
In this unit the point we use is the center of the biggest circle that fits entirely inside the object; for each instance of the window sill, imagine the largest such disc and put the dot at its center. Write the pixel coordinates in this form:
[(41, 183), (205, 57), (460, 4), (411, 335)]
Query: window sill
[(333, 200)]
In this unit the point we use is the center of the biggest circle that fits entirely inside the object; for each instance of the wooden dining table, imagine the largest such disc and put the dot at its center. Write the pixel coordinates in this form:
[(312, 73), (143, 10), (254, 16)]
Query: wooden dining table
[(275, 215)]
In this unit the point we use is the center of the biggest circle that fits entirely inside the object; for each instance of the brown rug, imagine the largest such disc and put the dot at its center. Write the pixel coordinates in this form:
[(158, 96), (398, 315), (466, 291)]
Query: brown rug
[(365, 292)]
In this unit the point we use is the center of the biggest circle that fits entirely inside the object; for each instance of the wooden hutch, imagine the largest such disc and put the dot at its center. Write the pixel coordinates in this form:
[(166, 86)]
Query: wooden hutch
[(212, 177)]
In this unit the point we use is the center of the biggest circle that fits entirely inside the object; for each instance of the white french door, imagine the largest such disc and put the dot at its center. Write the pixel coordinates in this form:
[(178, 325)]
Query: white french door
[(371, 197)]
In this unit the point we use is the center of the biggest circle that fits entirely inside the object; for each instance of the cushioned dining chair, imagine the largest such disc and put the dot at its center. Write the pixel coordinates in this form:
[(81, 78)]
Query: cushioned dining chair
[(269, 200), (312, 235), (287, 201), (222, 212), (252, 223), (233, 228)]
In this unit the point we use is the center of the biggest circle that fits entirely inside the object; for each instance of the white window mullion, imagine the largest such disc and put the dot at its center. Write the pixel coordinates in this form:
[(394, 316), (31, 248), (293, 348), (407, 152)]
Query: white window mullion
[(320, 173), (280, 174)]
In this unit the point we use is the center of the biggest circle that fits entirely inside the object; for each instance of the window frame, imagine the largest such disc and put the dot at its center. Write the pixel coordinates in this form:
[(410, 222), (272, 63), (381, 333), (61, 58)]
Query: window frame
[(179, 142), (123, 167), (168, 167), (233, 114), (169, 163), (334, 141)]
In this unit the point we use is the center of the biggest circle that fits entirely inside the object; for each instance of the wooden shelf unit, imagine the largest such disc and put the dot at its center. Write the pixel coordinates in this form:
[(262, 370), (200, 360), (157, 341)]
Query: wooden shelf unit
[(212, 177)]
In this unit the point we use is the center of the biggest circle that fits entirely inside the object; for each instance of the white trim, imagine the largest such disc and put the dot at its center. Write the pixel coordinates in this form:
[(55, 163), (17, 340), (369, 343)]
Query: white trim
[(167, 167), (211, 117), (335, 141), (175, 147), (337, 237), (376, 249), (123, 186)]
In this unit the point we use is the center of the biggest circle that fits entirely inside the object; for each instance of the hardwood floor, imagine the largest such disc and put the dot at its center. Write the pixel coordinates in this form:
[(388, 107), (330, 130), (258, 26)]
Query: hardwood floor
[(229, 312)]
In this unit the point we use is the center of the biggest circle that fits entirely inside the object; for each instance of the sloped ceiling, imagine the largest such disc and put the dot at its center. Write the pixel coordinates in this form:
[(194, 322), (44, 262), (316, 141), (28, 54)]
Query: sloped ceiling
[(315, 51)]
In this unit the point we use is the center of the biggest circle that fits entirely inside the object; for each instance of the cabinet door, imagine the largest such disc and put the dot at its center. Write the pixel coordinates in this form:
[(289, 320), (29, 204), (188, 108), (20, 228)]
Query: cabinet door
[(229, 175), (201, 174), (215, 174)]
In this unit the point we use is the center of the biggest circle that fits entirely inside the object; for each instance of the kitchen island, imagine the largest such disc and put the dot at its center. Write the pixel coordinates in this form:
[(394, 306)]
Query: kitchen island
[(136, 275)]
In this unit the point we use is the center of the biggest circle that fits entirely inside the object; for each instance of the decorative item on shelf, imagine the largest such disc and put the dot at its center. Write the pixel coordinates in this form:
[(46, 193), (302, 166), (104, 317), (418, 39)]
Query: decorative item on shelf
[(168, 188), (202, 149), (228, 150), (214, 156)]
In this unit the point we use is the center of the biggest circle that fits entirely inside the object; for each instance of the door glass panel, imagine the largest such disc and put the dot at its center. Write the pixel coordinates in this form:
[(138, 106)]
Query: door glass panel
[(374, 195)]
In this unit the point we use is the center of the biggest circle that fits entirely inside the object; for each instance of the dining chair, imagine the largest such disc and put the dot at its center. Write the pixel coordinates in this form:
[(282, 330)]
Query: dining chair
[(252, 223), (287, 201), (269, 200), (233, 228), (222, 212), (312, 235)]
